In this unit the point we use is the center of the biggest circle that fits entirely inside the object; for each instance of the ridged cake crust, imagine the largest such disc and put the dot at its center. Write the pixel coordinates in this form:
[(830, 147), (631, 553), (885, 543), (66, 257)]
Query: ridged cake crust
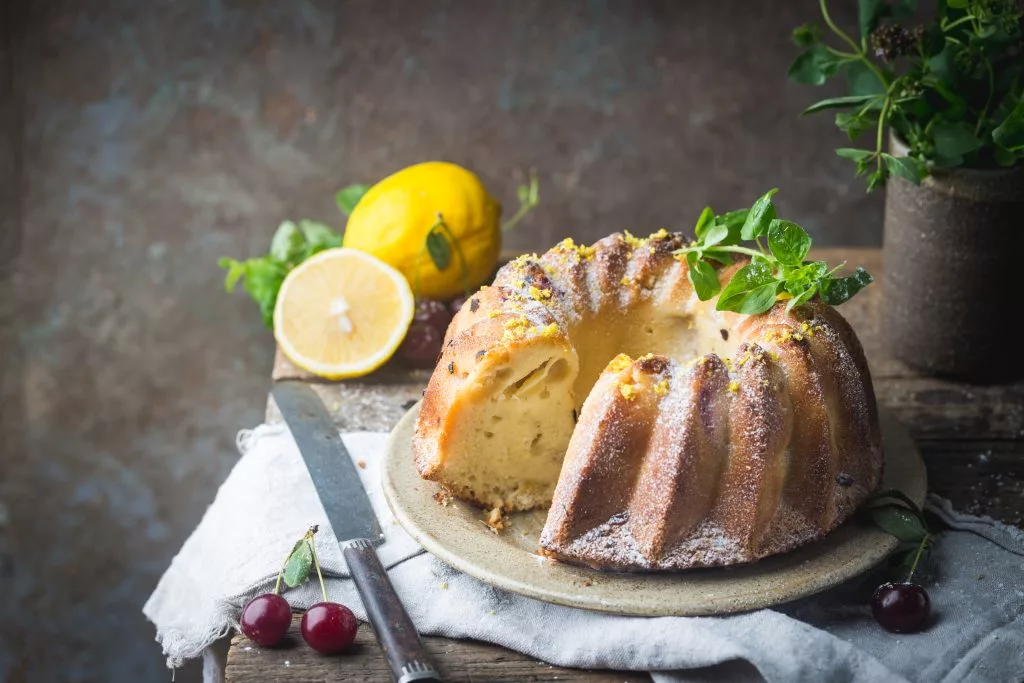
[(728, 438)]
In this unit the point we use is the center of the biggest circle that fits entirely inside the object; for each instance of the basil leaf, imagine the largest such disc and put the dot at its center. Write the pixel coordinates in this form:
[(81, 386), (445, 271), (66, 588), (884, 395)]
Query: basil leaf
[(868, 14), (263, 278), (862, 80), (716, 234), (348, 197), (1010, 133), (751, 290), (733, 224), (236, 270), (802, 297), (901, 10), (898, 495), (1005, 157), (943, 66), (287, 242), (838, 103), (807, 35), (813, 66), (835, 291), (318, 234), (855, 154), (877, 179), (898, 521), (788, 242), (296, 568), (703, 222), (439, 248), (722, 257), (703, 276), (732, 219), (759, 216), (907, 168), (854, 124), (953, 140)]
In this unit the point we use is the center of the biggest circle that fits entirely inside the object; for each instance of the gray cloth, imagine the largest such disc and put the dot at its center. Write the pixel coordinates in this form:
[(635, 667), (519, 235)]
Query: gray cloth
[(976, 586)]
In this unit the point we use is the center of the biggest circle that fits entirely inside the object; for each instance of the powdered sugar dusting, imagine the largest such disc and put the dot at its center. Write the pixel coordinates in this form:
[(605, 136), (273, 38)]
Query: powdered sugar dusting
[(680, 406)]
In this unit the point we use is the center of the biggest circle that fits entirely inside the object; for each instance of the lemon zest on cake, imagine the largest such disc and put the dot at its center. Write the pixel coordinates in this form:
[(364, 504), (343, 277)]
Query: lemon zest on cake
[(539, 294), (619, 363), (632, 240)]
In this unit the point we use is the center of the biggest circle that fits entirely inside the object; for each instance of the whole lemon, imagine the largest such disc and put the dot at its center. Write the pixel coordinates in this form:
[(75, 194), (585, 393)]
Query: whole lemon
[(394, 218)]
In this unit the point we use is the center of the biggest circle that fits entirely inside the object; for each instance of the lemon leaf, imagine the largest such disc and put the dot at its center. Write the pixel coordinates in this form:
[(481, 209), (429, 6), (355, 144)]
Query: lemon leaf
[(439, 248)]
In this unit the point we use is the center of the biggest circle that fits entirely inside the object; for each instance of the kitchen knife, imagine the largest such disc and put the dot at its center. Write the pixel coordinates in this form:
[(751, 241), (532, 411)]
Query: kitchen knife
[(355, 526)]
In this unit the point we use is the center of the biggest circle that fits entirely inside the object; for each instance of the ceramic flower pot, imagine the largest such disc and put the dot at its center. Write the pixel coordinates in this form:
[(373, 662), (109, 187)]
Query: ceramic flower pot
[(954, 272)]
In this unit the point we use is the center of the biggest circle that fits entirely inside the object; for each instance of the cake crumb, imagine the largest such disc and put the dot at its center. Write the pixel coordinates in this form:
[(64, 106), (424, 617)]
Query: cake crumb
[(628, 391), (444, 585), (495, 521), (443, 497), (361, 464), (734, 386)]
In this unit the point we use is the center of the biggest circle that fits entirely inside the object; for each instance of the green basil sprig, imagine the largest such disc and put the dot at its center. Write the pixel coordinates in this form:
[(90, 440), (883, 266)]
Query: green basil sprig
[(262, 276), (951, 88), (779, 271)]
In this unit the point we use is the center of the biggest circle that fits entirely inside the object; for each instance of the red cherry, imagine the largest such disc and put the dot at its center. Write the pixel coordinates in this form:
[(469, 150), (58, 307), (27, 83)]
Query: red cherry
[(329, 627), (434, 313), (901, 607), (421, 346), (265, 619)]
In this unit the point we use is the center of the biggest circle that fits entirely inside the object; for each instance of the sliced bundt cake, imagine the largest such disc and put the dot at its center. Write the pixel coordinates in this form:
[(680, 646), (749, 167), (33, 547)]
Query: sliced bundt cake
[(729, 438)]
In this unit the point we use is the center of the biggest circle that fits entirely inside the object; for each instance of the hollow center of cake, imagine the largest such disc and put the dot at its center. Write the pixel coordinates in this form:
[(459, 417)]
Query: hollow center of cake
[(514, 439), (681, 337)]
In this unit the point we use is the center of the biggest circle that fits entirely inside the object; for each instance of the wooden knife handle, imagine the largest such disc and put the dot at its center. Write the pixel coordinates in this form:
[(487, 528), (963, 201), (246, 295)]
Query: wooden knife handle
[(391, 624)]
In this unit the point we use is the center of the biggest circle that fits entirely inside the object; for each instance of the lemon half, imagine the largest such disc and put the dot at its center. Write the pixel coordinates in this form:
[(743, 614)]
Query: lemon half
[(342, 313)]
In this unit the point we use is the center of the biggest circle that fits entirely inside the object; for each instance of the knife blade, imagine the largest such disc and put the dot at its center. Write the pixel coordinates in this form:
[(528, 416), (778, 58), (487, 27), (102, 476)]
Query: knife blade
[(355, 525)]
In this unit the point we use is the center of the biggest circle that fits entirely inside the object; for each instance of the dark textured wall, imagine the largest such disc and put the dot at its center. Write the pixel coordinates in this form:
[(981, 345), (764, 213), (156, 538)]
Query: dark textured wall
[(140, 141)]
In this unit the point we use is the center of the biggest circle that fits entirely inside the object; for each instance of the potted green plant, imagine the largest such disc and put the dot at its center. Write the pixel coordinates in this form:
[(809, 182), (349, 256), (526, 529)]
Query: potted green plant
[(950, 94)]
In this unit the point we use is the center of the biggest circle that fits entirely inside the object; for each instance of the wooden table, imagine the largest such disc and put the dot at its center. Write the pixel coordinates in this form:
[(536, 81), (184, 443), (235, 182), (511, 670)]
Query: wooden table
[(972, 439)]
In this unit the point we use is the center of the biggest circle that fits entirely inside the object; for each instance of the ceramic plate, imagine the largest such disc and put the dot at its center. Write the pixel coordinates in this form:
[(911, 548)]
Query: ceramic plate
[(457, 535)]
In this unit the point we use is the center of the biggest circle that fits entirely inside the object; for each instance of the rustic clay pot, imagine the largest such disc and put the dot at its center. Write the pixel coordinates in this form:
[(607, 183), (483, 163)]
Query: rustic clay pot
[(954, 272)]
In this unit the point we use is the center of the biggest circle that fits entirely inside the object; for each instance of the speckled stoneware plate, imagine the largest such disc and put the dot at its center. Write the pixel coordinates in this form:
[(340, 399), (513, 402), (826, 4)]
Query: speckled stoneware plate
[(457, 536)]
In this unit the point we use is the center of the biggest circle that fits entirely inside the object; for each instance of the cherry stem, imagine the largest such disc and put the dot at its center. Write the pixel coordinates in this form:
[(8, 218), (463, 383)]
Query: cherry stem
[(277, 586), (316, 563), (917, 555)]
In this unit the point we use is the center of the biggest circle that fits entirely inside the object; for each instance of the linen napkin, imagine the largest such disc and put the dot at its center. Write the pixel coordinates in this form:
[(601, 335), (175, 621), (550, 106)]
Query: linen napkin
[(268, 501)]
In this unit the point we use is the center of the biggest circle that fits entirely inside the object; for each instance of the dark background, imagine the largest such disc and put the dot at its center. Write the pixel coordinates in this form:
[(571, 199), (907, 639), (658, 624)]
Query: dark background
[(139, 141)]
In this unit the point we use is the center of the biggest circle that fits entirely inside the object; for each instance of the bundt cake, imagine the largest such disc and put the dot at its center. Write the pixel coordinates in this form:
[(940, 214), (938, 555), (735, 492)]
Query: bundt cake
[(662, 433)]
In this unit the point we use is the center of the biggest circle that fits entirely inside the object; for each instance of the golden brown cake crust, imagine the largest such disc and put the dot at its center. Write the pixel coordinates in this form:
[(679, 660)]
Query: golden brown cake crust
[(749, 437)]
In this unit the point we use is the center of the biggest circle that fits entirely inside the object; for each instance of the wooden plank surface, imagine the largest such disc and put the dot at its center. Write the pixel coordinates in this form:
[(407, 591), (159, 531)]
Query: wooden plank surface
[(459, 661), (972, 438)]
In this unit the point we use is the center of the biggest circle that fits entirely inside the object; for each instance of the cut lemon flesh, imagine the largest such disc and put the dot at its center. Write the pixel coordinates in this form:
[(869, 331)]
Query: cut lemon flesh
[(342, 313)]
